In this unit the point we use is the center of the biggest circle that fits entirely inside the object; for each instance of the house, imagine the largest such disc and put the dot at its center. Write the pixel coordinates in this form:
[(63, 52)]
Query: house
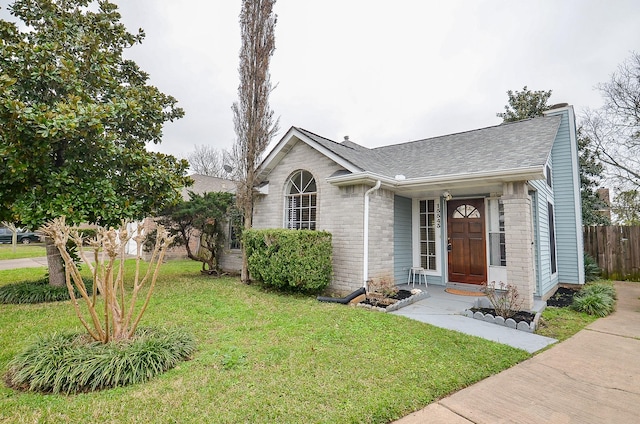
[(230, 259), (494, 204)]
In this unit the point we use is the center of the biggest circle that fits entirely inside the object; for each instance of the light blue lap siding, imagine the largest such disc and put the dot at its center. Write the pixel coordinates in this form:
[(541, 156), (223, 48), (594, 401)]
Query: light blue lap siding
[(402, 256), (567, 207)]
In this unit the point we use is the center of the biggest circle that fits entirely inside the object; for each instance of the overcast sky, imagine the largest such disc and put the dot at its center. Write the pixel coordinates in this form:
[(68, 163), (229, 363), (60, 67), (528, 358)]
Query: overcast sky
[(381, 72)]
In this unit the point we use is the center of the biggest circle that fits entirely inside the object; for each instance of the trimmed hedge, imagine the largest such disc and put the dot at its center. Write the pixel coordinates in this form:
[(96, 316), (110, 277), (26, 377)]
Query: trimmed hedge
[(295, 260)]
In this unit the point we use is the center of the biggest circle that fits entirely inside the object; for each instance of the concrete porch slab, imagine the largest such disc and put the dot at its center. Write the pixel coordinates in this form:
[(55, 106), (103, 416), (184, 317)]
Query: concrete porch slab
[(444, 310)]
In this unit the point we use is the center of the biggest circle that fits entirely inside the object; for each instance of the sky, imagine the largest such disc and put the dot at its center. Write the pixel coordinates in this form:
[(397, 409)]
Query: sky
[(380, 72)]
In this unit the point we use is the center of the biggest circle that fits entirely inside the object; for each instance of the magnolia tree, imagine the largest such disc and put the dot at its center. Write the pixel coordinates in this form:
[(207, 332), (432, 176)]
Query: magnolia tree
[(75, 121), (115, 316)]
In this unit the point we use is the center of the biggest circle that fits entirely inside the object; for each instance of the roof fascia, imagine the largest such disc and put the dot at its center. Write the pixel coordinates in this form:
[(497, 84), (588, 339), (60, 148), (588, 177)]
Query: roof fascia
[(286, 143)]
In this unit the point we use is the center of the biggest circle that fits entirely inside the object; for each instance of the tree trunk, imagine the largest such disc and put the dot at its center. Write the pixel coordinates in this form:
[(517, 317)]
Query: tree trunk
[(55, 264)]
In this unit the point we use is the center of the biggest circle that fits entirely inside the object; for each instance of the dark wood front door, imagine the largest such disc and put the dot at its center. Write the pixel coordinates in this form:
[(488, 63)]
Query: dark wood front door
[(467, 246)]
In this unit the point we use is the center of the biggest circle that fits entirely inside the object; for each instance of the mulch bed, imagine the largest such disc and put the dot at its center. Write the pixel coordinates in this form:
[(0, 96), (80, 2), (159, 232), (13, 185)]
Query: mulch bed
[(402, 294), (562, 298)]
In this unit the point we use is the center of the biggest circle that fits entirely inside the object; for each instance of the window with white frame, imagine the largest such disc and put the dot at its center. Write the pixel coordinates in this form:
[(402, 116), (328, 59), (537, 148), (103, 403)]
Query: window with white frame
[(429, 220), (497, 245), (301, 201)]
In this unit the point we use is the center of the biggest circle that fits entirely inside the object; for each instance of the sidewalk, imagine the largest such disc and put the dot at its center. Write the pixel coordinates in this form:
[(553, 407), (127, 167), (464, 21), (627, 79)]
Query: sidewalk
[(594, 377), (23, 263)]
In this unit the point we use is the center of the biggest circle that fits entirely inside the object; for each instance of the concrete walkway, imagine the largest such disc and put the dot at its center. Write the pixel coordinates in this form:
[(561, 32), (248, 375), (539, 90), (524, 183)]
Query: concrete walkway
[(594, 377), (23, 263), (443, 310)]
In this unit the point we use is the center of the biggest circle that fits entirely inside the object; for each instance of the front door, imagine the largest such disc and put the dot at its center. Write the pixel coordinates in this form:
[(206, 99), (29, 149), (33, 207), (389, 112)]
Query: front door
[(467, 246)]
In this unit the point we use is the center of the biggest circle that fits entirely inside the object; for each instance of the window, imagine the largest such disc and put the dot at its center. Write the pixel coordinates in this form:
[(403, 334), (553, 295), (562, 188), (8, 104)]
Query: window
[(497, 244), (429, 221), (548, 172), (301, 201), (552, 240), (466, 211), (234, 233)]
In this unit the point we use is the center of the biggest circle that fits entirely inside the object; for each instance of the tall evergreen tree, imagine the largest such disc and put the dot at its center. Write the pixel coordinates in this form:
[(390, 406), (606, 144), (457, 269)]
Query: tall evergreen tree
[(252, 116), (524, 104)]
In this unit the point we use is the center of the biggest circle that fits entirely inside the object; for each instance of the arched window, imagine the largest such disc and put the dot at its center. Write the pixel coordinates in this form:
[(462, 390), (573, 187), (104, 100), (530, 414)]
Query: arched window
[(466, 211), (301, 200)]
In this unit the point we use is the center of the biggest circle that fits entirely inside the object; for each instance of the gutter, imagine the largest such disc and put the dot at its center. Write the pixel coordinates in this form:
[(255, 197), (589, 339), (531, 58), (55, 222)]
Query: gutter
[(365, 261), (520, 174)]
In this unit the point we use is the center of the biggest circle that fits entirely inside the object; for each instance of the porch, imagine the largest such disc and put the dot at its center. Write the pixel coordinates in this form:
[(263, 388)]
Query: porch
[(442, 309)]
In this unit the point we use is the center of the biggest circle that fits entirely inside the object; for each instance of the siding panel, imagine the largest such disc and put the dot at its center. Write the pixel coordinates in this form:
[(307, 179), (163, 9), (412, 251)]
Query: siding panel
[(402, 256), (566, 204)]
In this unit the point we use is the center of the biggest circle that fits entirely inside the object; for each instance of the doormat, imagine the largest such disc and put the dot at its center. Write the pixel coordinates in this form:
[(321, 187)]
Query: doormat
[(464, 292)]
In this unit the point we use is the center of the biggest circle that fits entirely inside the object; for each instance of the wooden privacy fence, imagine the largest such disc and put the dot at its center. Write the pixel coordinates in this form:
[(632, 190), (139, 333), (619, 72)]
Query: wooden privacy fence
[(616, 249)]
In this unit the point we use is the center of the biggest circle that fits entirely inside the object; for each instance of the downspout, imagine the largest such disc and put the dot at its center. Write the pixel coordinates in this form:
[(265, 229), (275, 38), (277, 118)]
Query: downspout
[(365, 265)]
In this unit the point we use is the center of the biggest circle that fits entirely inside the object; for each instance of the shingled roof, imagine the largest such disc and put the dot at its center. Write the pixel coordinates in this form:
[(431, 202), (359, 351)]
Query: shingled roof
[(503, 147)]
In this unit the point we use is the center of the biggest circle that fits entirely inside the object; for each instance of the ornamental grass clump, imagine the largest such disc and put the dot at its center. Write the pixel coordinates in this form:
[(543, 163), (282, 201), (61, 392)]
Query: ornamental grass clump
[(39, 291), (597, 299), (74, 363)]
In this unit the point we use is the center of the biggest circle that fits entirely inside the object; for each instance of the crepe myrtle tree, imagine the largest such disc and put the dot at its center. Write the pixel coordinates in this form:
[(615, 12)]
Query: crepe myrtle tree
[(75, 119)]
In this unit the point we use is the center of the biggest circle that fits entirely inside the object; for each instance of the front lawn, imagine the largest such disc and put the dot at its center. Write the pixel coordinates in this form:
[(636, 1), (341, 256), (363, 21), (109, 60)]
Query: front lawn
[(262, 357), (22, 251), (562, 323)]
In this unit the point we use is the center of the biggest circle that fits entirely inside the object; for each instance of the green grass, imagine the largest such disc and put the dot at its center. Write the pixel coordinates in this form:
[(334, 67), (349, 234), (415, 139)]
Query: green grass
[(262, 357), (22, 251), (562, 323)]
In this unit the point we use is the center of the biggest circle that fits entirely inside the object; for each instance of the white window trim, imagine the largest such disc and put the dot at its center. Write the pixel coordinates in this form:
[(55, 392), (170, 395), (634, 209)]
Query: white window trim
[(415, 229), (285, 198)]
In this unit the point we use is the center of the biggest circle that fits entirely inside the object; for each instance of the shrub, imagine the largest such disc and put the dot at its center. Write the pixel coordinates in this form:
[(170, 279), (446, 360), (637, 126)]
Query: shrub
[(595, 299), (37, 292), (504, 298), (298, 260), (72, 363), (591, 270), (383, 285)]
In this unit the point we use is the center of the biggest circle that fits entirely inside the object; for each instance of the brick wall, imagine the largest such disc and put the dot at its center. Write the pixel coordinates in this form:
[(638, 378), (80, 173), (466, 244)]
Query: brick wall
[(340, 210), (518, 237)]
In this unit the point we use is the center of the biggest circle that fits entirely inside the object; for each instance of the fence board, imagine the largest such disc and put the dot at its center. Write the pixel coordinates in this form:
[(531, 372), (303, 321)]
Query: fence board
[(616, 249)]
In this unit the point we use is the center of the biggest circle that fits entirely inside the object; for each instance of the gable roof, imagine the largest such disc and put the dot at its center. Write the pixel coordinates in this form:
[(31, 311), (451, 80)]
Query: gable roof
[(206, 184), (500, 149)]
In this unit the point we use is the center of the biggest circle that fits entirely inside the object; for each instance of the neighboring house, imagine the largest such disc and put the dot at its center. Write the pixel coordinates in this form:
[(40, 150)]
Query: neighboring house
[(495, 204), (231, 255)]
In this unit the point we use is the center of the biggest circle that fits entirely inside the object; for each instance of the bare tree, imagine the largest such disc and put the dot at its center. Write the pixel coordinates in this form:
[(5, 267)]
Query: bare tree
[(253, 118), (207, 160), (615, 128)]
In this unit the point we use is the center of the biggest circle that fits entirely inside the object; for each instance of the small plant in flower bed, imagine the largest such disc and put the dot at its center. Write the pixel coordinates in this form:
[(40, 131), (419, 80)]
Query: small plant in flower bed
[(597, 299), (504, 298), (74, 363), (383, 292), (38, 291)]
